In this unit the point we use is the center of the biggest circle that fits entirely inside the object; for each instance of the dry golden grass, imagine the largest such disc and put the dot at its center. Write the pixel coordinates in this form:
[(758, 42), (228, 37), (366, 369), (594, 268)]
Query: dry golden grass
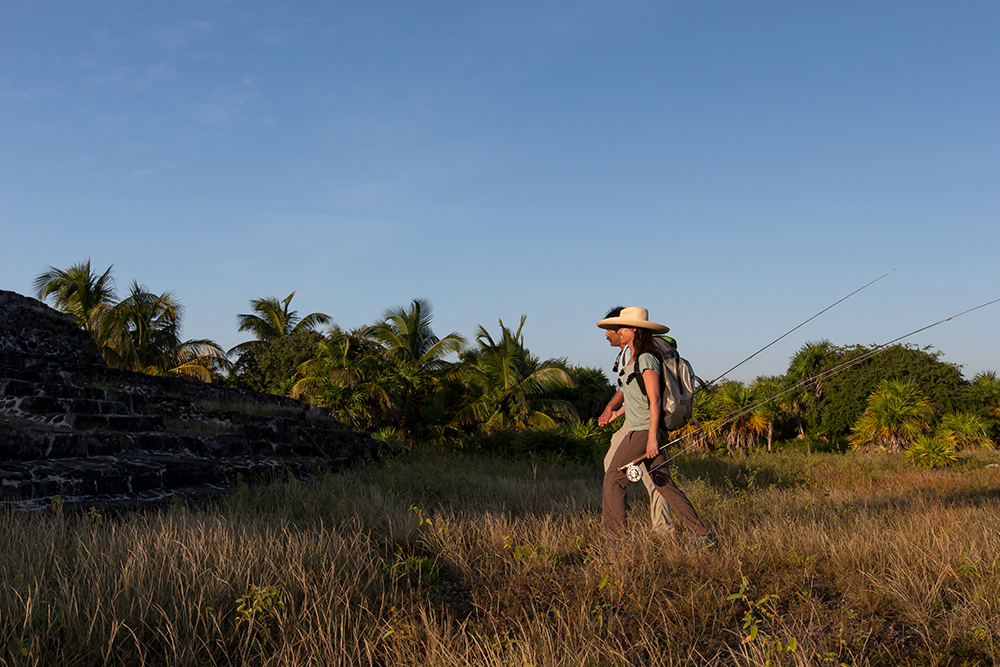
[(448, 560)]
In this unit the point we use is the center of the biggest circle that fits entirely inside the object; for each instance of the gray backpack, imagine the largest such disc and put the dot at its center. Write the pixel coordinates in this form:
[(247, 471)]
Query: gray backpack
[(677, 380)]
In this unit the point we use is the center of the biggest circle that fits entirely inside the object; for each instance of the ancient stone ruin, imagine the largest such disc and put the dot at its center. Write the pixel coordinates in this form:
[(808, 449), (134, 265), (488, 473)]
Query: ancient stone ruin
[(72, 427)]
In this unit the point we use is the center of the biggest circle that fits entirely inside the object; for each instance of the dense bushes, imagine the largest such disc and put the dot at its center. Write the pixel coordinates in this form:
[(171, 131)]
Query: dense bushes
[(842, 398), (544, 443)]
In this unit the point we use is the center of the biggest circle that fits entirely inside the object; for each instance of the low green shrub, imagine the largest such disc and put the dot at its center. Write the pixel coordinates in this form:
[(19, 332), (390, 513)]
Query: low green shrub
[(928, 451)]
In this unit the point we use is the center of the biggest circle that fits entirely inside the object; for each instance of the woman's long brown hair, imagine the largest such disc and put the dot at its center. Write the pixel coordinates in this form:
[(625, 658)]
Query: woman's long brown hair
[(643, 342)]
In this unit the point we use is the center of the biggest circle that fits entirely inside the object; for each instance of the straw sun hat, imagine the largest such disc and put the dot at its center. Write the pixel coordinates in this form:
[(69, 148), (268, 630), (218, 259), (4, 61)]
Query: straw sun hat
[(633, 316)]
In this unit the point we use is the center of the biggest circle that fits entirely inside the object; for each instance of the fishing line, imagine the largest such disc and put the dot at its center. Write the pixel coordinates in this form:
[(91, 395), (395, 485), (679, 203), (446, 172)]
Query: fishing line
[(736, 414), (822, 375), (793, 330)]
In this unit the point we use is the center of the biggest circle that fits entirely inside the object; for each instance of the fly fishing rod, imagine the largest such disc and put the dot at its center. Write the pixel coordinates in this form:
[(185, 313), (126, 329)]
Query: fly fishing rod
[(733, 416), (634, 472), (632, 469), (722, 375)]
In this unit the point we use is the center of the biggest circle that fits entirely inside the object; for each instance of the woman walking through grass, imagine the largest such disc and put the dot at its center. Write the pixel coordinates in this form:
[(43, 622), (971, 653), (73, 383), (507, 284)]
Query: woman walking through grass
[(642, 420)]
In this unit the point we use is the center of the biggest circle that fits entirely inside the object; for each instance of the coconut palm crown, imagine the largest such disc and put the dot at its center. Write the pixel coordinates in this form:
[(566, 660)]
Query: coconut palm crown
[(416, 357), (142, 333), (509, 386), (78, 291), (273, 319)]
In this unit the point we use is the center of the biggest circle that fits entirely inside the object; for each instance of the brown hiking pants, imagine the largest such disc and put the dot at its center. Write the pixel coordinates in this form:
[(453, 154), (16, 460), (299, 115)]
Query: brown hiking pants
[(659, 512), (615, 495)]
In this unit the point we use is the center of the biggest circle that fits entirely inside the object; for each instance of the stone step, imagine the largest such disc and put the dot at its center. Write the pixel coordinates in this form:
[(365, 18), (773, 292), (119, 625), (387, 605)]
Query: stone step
[(29, 370), (54, 436), (35, 438), (45, 405), (27, 439), (126, 423), (89, 406), (31, 440), (63, 390), (85, 421), (15, 388), (137, 478), (37, 405), (13, 365)]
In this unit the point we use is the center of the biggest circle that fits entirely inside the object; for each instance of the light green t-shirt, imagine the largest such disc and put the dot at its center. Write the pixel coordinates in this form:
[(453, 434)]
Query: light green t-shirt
[(636, 403)]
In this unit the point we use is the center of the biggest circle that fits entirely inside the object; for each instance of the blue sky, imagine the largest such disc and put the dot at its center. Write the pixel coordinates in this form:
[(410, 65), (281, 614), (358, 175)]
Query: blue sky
[(734, 167)]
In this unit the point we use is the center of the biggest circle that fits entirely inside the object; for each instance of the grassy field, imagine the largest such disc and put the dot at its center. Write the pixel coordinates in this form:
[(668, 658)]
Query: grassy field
[(435, 559)]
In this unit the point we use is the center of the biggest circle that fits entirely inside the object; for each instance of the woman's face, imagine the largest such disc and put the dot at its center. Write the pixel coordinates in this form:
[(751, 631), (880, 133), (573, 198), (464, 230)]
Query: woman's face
[(626, 335)]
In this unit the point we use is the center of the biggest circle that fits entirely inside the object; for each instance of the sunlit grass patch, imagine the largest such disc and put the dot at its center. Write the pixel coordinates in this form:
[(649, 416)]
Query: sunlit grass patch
[(436, 559)]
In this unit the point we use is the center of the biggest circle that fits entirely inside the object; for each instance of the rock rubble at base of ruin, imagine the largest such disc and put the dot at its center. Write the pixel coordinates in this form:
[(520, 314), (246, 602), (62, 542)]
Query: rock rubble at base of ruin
[(72, 427)]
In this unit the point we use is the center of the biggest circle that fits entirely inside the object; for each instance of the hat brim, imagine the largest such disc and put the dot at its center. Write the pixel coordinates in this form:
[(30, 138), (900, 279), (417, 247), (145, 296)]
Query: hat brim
[(615, 322)]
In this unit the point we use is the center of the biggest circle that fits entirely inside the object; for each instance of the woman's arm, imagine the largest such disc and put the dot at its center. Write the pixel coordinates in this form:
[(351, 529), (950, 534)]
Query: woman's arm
[(652, 381)]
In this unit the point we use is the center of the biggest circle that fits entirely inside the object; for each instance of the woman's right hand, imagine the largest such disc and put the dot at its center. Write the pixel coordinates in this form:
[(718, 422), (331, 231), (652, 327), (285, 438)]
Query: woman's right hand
[(653, 446)]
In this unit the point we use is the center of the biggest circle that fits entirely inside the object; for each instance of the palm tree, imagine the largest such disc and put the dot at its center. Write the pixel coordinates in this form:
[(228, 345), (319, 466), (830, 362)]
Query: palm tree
[(415, 355), (737, 425), (347, 376), (509, 386), (897, 411), (696, 432), (80, 292), (329, 367), (929, 451), (811, 358), (142, 333), (987, 386), (282, 341), (803, 368), (769, 413), (964, 430), (272, 319)]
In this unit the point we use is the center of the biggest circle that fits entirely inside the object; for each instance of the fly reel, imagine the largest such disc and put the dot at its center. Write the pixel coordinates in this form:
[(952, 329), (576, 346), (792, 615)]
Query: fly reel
[(633, 472)]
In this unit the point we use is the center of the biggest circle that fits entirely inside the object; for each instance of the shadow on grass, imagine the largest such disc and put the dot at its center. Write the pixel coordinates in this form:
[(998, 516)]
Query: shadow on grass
[(740, 474), (908, 503)]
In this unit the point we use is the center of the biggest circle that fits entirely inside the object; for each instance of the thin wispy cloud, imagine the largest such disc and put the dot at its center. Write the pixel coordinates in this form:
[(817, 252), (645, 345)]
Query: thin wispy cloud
[(275, 36), (155, 75), (175, 37), (33, 93), (111, 75), (224, 103), (216, 56), (538, 30), (132, 77), (134, 148), (211, 113), (113, 120)]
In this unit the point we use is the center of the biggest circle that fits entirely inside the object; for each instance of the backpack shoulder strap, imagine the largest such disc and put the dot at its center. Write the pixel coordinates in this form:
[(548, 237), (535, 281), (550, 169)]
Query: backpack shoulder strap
[(636, 375)]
